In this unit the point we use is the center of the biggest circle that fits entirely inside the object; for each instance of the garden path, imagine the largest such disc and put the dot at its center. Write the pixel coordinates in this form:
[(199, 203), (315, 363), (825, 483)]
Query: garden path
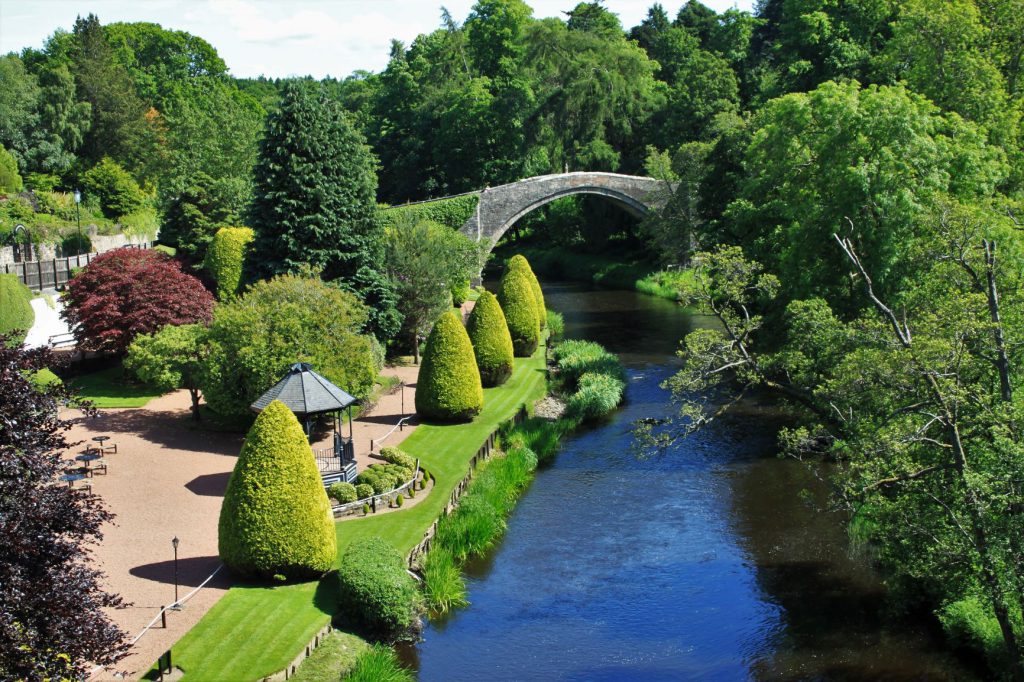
[(167, 479)]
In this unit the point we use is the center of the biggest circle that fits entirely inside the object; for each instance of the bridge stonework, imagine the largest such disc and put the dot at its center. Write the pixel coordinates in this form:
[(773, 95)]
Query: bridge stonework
[(500, 207)]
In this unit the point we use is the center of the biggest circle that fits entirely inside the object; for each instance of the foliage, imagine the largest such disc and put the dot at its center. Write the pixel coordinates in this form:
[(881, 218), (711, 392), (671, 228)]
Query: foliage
[(197, 211), (519, 262), (518, 302), (16, 314), (276, 518), (378, 664), (449, 388), (575, 358), (443, 587), (460, 291), (313, 202), (556, 326), (169, 359), (375, 594), (225, 257), (969, 624), (384, 478), (393, 455), (47, 528), (342, 492), (257, 337), (492, 343), (425, 260), (364, 490), (113, 187), (452, 212), (126, 292), (336, 656), (596, 396), (10, 180)]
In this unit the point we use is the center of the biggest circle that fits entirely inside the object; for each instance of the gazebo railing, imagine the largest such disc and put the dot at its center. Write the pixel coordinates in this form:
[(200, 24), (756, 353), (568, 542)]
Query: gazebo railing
[(334, 458)]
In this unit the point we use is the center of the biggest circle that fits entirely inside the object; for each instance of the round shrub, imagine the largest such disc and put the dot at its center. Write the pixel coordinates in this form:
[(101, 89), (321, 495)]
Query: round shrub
[(517, 302), (376, 594), (114, 187), (75, 244), (366, 509), (343, 492), (276, 519), (449, 388), (225, 257), (492, 343), (393, 455), (519, 262), (363, 491), (15, 308), (399, 500)]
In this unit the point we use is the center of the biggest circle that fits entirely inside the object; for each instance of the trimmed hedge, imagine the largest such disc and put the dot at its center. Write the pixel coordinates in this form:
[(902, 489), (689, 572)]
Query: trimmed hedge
[(393, 455), (384, 477), (15, 307), (453, 212), (519, 262), (224, 259), (492, 342), (376, 594), (520, 307), (449, 387), (342, 492), (276, 518), (363, 491)]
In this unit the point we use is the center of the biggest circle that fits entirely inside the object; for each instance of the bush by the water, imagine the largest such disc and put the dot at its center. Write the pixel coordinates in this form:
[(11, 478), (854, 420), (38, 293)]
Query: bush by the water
[(969, 623), (576, 358), (556, 326), (597, 395), (519, 304), (276, 518), (379, 664), (519, 262), (342, 492), (225, 257), (443, 586), (449, 388), (492, 343), (376, 594), (15, 306)]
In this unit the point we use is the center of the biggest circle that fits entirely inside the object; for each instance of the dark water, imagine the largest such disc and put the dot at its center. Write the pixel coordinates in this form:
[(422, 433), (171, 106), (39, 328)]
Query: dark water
[(706, 563)]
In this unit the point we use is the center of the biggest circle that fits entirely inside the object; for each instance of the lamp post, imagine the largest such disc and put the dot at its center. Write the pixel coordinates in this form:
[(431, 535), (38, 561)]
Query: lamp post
[(174, 543), (78, 217)]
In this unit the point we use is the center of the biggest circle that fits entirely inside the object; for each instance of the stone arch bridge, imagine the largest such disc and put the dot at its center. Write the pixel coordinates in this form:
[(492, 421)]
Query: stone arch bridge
[(500, 207)]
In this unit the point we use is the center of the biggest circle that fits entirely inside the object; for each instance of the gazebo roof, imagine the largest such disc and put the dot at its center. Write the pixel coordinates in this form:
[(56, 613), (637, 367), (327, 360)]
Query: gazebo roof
[(305, 392)]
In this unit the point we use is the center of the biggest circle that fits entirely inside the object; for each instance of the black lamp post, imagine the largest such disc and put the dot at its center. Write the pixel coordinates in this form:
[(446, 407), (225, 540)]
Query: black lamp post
[(174, 543), (78, 217)]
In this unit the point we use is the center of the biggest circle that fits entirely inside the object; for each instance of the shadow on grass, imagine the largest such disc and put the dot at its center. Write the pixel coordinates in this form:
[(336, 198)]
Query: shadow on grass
[(326, 596)]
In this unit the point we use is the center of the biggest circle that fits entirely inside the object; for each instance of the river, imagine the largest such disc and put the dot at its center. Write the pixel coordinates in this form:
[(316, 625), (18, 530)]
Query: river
[(704, 563)]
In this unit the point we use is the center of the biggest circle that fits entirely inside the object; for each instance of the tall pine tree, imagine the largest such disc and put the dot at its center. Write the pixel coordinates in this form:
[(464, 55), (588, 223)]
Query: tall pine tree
[(314, 200)]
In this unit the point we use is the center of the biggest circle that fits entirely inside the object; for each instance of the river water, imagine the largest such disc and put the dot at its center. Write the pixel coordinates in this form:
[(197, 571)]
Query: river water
[(704, 563)]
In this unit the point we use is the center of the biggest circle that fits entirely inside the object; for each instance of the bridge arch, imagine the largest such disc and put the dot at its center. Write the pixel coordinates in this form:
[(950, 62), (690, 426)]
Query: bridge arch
[(500, 207)]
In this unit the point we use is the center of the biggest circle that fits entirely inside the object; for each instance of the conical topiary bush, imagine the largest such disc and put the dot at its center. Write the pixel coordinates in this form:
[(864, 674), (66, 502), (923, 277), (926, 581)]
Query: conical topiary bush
[(519, 261), (492, 343), (276, 519), (517, 302), (448, 387)]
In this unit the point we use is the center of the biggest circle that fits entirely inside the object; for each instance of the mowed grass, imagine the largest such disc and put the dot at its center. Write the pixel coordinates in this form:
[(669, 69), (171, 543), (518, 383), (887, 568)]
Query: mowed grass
[(254, 631), (109, 388)]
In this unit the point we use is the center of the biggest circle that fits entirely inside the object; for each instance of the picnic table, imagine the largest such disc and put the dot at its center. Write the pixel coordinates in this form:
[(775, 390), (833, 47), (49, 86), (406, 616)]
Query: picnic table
[(91, 456), (70, 479)]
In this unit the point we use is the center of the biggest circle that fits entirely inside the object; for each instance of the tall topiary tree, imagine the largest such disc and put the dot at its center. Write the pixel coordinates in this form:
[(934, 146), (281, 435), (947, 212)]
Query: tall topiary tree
[(492, 343), (15, 309), (225, 257), (314, 201), (519, 261), (10, 180), (449, 388), (276, 518), (520, 308)]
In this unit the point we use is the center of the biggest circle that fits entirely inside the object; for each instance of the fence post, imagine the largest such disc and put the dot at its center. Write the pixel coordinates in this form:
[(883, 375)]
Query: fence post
[(163, 616), (39, 270)]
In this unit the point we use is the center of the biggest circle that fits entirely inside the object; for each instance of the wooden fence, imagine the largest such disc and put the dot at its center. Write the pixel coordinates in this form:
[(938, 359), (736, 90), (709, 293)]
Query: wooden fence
[(54, 273)]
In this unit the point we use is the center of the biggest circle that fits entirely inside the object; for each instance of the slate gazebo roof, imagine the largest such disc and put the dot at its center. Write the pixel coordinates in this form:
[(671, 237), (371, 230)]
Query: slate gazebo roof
[(305, 392)]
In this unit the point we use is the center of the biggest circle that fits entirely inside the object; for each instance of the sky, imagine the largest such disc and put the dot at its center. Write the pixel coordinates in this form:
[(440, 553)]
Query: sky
[(286, 38)]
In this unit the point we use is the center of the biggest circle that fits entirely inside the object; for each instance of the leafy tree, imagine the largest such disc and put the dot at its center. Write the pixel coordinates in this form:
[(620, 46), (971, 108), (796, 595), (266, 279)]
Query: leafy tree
[(192, 216), (495, 30), (425, 260), (225, 257), (169, 359), (276, 323), (276, 518), (47, 528), (449, 388), (521, 314), (656, 21), (63, 122), (314, 203), (10, 180), (698, 20), (592, 17), (127, 292), (115, 189), (492, 343), (19, 99)]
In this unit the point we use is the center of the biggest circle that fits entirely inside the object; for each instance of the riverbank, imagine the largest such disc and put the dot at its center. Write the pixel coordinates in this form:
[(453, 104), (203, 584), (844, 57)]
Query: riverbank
[(257, 630)]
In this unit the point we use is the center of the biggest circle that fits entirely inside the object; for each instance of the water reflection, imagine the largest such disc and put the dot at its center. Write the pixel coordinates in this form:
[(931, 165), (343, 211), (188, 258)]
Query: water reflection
[(702, 564)]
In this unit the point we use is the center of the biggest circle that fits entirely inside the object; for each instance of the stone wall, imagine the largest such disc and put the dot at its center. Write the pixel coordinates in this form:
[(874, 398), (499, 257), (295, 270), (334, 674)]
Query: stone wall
[(101, 243)]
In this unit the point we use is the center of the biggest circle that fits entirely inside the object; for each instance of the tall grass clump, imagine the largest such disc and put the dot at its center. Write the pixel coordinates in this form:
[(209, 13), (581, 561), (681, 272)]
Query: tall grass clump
[(597, 395), (540, 436), (443, 586), (575, 358), (670, 284), (379, 664), (556, 326)]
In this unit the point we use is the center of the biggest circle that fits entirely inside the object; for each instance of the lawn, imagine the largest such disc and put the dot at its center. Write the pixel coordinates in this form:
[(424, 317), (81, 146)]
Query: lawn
[(109, 388), (255, 631)]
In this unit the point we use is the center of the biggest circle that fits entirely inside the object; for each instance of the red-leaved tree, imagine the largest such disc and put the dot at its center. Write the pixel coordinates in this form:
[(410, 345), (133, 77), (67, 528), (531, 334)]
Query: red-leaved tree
[(127, 292), (52, 624)]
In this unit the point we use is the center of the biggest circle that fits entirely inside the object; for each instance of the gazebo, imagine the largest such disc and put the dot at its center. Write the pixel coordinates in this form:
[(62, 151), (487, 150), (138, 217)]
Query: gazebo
[(309, 395)]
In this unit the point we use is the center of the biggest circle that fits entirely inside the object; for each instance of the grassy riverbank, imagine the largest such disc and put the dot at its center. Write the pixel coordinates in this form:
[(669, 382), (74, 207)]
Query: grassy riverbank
[(256, 630)]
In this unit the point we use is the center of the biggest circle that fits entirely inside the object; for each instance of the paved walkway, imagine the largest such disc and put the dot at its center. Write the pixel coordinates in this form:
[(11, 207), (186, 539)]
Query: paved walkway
[(167, 480)]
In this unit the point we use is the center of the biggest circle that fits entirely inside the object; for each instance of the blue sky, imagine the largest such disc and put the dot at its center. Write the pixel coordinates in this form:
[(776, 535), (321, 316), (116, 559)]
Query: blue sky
[(298, 37)]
